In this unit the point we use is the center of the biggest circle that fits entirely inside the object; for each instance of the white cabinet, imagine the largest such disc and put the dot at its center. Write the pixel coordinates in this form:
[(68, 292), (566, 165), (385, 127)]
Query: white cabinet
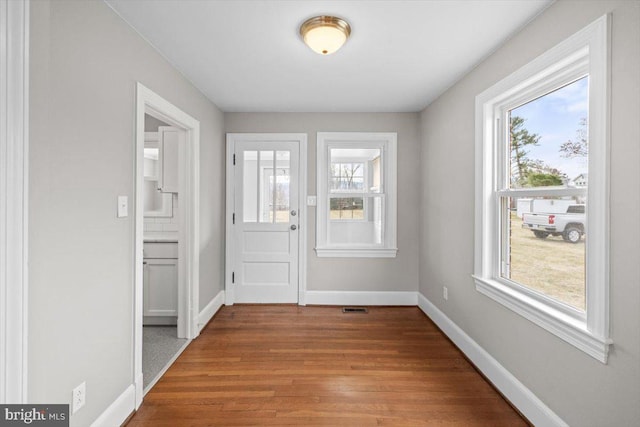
[(161, 152), (160, 301), (169, 140), (161, 178)]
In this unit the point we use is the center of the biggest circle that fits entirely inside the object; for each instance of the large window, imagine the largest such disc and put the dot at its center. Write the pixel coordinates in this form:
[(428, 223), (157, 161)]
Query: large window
[(356, 194), (543, 235), (541, 195)]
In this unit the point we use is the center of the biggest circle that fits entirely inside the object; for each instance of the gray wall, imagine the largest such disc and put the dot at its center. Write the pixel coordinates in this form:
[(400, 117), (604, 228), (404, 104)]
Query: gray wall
[(578, 388), (355, 274), (85, 62)]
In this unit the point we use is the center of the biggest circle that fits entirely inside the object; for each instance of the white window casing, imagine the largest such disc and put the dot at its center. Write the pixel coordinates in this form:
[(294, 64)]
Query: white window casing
[(584, 53), (386, 142)]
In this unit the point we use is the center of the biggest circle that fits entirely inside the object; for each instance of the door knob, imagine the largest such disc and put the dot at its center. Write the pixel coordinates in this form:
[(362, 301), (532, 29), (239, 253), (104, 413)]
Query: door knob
[(294, 213), (293, 227)]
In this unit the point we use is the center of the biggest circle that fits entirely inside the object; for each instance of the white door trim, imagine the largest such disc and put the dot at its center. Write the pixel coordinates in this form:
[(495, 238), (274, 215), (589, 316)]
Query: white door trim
[(303, 225), (188, 236), (14, 198)]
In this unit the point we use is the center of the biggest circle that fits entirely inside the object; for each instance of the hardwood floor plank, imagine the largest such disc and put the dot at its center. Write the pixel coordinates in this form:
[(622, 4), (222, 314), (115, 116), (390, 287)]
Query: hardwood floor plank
[(316, 366)]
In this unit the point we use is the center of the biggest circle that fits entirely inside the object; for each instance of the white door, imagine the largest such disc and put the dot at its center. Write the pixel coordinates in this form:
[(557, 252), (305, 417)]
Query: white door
[(265, 227)]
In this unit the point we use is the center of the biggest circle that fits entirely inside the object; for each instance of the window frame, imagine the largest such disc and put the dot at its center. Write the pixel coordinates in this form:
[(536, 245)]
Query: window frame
[(584, 53), (387, 143)]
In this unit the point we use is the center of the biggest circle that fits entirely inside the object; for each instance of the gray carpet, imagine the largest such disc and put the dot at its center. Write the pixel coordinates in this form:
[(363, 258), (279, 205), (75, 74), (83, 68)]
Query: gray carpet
[(159, 345)]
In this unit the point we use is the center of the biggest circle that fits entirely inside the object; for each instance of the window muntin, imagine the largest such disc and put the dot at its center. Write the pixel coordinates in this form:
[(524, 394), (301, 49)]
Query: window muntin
[(356, 194), (582, 324)]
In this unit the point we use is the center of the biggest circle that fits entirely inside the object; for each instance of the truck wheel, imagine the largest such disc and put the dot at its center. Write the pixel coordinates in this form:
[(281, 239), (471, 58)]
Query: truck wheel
[(540, 234), (572, 234)]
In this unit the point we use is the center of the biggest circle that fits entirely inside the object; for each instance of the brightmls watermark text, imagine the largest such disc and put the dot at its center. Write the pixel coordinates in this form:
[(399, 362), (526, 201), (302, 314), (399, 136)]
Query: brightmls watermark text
[(34, 415)]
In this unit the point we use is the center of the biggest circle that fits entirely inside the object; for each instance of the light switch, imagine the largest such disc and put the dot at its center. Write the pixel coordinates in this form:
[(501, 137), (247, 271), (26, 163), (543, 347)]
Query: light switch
[(311, 200), (123, 206)]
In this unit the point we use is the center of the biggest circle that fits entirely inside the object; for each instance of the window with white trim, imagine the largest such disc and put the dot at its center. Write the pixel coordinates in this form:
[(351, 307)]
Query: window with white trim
[(541, 243), (356, 214)]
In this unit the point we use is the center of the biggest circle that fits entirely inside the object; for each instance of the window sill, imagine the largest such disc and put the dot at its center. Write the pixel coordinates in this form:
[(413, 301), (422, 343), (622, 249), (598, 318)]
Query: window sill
[(356, 252), (573, 331)]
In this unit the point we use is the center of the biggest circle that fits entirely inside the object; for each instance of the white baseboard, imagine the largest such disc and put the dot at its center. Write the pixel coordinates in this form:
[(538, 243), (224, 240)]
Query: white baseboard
[(212, 308), (119, 410), (139, 384), (360, 298), (520, 396)]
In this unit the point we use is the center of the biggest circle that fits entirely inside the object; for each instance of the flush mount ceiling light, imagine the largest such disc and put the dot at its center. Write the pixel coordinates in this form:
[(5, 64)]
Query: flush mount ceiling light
[(325, 34)]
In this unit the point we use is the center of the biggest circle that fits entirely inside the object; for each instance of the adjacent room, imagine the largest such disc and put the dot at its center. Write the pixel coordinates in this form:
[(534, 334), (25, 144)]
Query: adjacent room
[(275, 212)]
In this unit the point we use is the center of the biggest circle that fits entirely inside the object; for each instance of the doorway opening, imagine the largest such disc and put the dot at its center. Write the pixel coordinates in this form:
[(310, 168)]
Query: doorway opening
[(166, 236), (161, 343)]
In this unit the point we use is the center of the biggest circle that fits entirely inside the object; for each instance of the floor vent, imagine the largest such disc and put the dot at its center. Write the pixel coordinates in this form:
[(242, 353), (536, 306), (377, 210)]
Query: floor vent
[(355, 310)]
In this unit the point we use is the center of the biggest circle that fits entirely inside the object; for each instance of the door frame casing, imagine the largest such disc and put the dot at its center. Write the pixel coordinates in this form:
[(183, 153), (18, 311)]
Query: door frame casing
[(151, 103), (14, 199), (301, 139)]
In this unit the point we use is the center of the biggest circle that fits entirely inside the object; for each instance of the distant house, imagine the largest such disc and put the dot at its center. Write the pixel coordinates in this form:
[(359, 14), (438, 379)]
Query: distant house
[(581, 180)]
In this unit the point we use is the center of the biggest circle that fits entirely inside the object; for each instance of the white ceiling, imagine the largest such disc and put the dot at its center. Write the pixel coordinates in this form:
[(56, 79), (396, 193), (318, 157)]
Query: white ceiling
[(247, 55)]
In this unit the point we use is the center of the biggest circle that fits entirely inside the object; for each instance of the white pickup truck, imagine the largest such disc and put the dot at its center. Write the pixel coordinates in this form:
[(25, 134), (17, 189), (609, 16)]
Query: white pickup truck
[(569, 225)]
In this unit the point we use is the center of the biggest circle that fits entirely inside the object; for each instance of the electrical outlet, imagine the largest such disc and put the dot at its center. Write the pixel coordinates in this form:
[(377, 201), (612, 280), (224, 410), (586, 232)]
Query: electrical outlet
[(445, 293), (78, 399)]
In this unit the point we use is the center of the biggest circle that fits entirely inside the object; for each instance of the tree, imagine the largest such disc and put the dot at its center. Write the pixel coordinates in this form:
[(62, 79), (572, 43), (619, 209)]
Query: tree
[(343, 178), (579, 147), (343, 174), (349, 171), (520, 138), (543, 179), (539, 167)]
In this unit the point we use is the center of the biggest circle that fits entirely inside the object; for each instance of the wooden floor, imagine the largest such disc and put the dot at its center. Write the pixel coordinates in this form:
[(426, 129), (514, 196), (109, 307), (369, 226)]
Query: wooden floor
[(310, 366)]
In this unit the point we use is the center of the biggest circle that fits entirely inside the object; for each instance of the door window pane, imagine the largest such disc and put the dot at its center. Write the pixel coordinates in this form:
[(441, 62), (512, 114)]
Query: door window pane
[(266, 191), (280, 184), (266, 165), (250, 187)]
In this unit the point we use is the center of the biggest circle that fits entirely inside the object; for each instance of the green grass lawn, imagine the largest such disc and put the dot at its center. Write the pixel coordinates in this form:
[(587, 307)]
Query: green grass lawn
[(551, 266)]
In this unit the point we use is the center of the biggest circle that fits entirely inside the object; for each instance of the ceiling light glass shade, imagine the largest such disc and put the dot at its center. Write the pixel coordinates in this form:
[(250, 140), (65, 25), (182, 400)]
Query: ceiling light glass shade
[(325, 34)]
